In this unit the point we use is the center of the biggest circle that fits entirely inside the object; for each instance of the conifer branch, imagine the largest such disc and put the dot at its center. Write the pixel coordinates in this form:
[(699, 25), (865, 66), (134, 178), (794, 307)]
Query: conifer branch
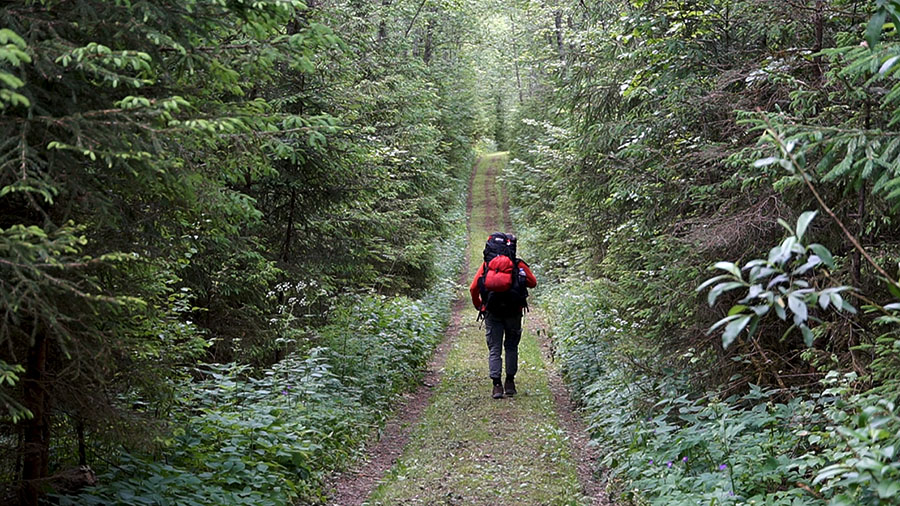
[(770, 130)]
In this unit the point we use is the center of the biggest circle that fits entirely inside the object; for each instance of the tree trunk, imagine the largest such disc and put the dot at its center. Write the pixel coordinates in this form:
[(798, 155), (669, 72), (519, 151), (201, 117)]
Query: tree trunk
[(82, 447), (515, 47), (429, 31), (518, 82), (570, 22), (36, 446), (856, 260), (382, 25), (727, 20), (557, 22), (288, 234), (819, 20)]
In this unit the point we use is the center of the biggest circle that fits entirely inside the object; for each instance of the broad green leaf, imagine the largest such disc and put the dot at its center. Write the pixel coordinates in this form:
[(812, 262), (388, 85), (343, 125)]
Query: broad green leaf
[(798, 307), (761, 309), (758, 273), (888, 64), (803, 222), (873, 29), (781, 278), (779, 308), (754, 292), (721, 322), (765, 161), (808, 337), (830, 472), (811, 263), (754, 324), (733, 329), (737, 309), (824, 300), (888, 488), (711, 281), (893, 288), (786, 226), (753, 263), (721, 288), (823, 253), (837, 300), (729, 267)]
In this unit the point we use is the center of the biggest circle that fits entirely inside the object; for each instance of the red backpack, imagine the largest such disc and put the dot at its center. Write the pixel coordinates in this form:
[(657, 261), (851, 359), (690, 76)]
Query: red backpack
[(502, 282)]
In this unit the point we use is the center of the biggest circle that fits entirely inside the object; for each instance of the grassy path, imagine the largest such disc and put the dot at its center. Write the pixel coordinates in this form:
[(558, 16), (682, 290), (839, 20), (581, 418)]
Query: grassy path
[(469, 448)]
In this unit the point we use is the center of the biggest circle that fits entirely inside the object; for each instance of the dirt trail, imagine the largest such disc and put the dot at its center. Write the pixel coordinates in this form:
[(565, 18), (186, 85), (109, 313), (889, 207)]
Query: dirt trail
[(453, 444), (491, 194), (586, 456), (354, 486)]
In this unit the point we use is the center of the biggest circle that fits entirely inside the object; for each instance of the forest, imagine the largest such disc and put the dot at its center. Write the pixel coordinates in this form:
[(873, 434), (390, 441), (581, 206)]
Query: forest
[(234, 232)]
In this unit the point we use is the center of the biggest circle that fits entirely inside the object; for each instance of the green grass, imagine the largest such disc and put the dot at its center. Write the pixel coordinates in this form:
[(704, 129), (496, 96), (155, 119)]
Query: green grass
[(470, 448)]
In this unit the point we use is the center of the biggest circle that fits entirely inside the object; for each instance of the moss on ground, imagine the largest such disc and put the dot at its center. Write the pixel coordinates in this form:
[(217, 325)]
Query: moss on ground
[(470, 448)]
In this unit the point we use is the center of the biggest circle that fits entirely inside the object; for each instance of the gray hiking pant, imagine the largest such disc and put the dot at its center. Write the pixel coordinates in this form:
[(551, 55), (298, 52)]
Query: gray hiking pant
[(495, 328)]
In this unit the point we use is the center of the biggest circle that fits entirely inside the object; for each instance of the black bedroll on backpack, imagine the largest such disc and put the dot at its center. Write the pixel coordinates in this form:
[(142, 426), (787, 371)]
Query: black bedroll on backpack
[(502, 282), (500, 244)]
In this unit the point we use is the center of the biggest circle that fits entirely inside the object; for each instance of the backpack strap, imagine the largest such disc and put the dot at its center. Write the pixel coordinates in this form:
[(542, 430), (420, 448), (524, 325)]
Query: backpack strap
[(525, 308), (481, 279), (484, 295)]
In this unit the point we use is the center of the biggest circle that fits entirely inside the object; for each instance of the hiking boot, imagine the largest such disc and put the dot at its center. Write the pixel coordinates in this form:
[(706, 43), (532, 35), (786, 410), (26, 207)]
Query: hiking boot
[(498, 391), (510, 387)]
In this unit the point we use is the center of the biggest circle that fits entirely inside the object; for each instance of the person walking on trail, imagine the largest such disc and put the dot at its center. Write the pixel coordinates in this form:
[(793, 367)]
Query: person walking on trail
[(499, 292)]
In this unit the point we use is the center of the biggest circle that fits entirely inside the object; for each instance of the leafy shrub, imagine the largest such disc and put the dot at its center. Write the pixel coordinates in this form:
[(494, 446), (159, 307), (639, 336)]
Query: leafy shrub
[(763, 447), (679, 450), (779, 284), (271, 438), (742, 449), (858, 460)]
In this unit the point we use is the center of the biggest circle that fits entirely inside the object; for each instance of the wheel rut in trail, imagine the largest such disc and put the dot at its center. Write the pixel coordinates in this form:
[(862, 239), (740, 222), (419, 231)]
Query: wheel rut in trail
[(491, 194), (351, 488), (466, 448), (587, 457)]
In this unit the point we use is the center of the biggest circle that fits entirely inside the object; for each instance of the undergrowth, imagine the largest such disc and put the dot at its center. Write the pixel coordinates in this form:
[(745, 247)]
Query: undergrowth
[(666, 444), (271, 437), (671, 439)]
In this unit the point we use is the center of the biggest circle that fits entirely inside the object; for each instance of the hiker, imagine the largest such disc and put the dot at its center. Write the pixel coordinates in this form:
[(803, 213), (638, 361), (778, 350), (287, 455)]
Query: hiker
[(499, 293)]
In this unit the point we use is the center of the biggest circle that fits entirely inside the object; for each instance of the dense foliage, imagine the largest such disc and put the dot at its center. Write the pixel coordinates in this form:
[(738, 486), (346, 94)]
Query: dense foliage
[(229, 230), (665, 138), (274, 437), (188, 183)]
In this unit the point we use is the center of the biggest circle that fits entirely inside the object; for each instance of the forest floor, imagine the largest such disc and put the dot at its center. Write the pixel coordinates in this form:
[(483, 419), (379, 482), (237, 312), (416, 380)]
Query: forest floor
[(450, 442)]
